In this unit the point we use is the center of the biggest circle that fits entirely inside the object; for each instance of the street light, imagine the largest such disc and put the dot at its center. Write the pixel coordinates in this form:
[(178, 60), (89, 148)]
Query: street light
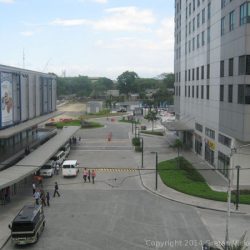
[(142, 149), (238, 190), (156, 169)]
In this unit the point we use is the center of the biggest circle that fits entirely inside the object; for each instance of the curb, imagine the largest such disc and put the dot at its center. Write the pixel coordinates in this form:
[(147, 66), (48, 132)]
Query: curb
[(188, 204)]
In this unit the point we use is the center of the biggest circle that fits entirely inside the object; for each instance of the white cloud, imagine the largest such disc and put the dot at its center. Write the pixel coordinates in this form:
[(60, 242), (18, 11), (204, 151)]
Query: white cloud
[(27, 33), (7, 1), (119, 19)]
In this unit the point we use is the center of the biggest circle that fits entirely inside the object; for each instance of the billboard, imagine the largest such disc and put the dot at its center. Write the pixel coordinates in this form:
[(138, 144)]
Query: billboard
[(6, 99)]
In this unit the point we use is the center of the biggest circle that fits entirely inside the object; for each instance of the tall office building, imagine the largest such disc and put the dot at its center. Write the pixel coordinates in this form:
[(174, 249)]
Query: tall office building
[(212, 81)]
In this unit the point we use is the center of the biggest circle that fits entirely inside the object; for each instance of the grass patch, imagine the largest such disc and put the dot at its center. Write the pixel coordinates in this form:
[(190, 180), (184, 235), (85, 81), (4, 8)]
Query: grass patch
[(159, 133), (188, 180), (82, 124)]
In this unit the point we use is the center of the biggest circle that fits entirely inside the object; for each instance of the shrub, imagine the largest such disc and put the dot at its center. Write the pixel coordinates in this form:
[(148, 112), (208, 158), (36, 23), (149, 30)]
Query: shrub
[(136, 141)]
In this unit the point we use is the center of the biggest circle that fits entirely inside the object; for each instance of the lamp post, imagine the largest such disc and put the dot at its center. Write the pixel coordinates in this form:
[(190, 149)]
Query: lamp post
[(142, 149), (156, 169), (238, 190)]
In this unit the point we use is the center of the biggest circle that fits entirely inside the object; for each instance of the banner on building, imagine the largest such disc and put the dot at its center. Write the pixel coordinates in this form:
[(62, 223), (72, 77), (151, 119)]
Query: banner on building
[(6, 99)]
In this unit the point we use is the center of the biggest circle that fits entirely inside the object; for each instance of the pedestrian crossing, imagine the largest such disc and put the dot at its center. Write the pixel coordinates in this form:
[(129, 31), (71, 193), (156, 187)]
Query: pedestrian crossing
[(116, 170)]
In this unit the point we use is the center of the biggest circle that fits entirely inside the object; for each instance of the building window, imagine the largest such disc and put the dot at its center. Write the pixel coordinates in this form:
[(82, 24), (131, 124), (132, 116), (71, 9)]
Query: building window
[(231, 67), (185, 91), (244, 94), (245, 13), (193, 74), (188, 91), (198, 127), (244, 65), (210, 133), (202, 72), (223, 163), (193, 43), (222, 26), (231, 20), (192, 91), (203, 17), (197, 92), (208, 35), (223, 3), (209, 11), (197, 73), (193, 24), (189, 75), (230, 93), (208, 71), (203, 38), (202, 91), (185, 75), (225, 140), (221, 68), (198, 20), (221, 93), (198, 41)]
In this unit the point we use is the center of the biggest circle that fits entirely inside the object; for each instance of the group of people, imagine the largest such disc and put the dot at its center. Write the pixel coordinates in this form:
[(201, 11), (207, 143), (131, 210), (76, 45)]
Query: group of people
[(88, 174), (73, 140), (42, 197)]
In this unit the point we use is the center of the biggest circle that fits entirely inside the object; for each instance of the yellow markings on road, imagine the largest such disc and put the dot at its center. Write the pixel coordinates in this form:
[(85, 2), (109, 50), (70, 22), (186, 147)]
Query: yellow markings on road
[(116, 170)]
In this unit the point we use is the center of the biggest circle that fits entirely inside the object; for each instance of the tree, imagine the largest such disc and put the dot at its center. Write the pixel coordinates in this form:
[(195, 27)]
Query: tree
[(178, 144), (151, 117), (126, 82)]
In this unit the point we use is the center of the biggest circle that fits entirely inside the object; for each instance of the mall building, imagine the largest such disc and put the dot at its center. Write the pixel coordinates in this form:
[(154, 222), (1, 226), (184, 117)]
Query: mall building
[(212, 82), (28, 99)]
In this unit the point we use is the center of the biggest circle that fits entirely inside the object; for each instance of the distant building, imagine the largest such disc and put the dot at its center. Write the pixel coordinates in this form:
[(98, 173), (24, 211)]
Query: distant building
[(113, 92), (94, 107)]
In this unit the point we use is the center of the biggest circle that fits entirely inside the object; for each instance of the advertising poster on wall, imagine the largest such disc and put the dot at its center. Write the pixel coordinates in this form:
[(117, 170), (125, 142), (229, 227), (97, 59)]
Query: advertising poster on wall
[(6, 100)]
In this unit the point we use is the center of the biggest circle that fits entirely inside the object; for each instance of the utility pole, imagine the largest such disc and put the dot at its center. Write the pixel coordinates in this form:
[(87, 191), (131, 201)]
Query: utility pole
[(238, 190)]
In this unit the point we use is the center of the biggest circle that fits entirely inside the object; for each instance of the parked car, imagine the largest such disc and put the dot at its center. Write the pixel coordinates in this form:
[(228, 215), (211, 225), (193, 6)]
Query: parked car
[(59, 157), (66, 149), (48, 169), (70, 168), (27, 225)]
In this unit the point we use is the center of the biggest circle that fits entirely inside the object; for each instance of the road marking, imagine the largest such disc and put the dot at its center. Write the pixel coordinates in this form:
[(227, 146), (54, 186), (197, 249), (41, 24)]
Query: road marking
[(116, 169)]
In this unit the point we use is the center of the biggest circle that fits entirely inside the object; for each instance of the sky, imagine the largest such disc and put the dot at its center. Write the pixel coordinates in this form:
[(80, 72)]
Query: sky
[(95, 38)]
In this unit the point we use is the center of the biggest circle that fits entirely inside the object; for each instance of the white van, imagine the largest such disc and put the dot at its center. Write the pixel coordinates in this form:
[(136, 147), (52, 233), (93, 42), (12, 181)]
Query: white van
[(66, 149), (59, 157), (48, 169), (70, 168)]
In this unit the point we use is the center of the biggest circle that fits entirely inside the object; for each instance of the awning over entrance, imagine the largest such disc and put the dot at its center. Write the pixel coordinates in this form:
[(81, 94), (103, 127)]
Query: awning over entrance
[(177, 126), (32, 162), (8, 132)]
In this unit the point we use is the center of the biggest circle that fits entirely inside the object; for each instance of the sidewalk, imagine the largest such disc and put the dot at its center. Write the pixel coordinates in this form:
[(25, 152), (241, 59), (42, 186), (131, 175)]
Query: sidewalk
[(214, 179)]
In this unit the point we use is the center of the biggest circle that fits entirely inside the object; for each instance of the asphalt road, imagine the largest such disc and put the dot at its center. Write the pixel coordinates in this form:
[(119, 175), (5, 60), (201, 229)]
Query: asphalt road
[(115, 213)]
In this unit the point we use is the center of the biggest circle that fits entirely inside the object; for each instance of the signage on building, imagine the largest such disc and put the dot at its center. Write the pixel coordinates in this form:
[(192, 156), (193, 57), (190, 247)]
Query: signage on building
[(6, 100), (211, 145)]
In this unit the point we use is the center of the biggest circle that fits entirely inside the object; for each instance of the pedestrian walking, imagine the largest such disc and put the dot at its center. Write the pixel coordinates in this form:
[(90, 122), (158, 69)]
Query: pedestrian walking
[(37, 196), (89, 175), (80, 138), (85, 173), (93, 175), (33, 188), (56, 190), (47, 198), (57, 168), (42, 197)]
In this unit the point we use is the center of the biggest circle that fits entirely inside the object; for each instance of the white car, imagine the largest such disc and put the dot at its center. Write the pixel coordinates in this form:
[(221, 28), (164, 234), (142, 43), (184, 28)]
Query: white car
[(48, 169), (70, 168)]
